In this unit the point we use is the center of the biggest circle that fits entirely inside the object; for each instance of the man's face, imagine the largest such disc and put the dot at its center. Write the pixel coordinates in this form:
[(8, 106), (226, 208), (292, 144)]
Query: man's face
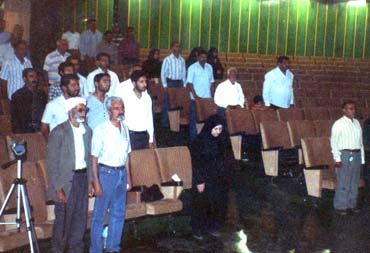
[(72, 89), (103, 63), (130, 33), (117, 111), (18, 31), (284, 65), (109, 37), (31, 80), (92, 25), (349, 110), (68, 70), (232, 75), (79, 113), (176, 49), (62, 46), (104, 84), (76, 65), (202, 58), (21, 51), (141, 84)]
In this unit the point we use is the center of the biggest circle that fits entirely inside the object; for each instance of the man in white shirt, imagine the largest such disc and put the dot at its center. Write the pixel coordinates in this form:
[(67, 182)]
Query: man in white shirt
[(75, 61), (229, 92), (138, 113), (278, 85), (126, 85), (55, 112), (109, 149), (348, 154), (73, 38), (89, 39), (102, 61)]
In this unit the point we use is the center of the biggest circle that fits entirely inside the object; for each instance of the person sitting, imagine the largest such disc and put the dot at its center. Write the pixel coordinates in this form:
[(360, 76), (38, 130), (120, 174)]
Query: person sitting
[(152, 66), (258, 103), (214, 61)]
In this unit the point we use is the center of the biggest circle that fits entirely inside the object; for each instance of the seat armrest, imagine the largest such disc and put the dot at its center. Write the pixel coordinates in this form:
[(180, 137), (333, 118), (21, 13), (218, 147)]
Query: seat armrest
[(272, 149), (133, 197), (172, 183), (238, 134), (137, 188), (318, 167), (178, 108)]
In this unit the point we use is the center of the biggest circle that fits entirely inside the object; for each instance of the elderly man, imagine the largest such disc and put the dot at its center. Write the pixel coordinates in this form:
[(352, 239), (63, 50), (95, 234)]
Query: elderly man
[(108, 46), (69, 165), (53, 60), (229, 92), (129, 49), (110, 148), (89, 39), (278, 85)]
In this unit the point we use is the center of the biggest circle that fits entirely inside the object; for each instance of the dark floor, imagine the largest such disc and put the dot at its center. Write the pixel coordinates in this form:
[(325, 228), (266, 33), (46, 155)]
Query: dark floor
[(262, 217)]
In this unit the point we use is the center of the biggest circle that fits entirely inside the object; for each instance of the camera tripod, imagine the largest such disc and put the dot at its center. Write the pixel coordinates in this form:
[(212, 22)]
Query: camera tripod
[(22, 199)]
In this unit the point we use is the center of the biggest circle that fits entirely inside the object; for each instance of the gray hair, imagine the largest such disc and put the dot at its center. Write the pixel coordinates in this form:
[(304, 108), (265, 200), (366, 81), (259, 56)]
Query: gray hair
[(110, 100), (231, 69)]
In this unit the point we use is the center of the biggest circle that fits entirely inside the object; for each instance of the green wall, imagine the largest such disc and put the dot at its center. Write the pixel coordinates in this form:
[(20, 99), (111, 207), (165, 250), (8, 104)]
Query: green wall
[(292, 27)]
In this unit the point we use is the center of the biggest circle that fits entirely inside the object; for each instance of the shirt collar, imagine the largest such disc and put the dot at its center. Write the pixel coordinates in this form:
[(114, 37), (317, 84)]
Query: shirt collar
[(348, 119)]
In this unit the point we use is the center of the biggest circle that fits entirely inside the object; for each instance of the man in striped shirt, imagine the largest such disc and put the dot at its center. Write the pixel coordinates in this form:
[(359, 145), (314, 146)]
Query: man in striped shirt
[(53, 60), (173, 75), (348, 154), (11, 73)]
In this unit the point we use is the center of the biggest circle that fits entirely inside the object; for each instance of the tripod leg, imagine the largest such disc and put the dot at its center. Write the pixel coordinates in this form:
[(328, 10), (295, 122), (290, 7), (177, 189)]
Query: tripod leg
[(19, 199), (30, 226), (7, 199)]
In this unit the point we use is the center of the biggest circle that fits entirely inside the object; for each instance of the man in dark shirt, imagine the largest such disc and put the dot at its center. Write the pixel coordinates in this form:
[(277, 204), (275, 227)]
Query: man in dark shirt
[(27, 104)]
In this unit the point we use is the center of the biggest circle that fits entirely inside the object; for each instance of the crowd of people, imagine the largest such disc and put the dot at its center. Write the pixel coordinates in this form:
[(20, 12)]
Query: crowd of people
[(93, 122)]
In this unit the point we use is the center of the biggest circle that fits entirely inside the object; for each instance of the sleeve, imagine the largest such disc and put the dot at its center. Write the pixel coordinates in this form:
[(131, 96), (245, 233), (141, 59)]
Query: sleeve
[(90, 87), (114, 84), (218, 96), (292, 95), (164, 73), (96, 142), (47, 116), (46, 66), (210, 73), (362, 145), (241, 96), (5, 71), (150, 126), (335, 135), (190, 78), (54, 146), (184, 72), (82, 44), (266, 90), (128, 139)]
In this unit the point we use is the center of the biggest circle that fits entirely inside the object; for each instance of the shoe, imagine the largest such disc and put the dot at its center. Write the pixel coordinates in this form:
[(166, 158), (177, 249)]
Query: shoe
[(214, 233), (198, 236), (341, 212)]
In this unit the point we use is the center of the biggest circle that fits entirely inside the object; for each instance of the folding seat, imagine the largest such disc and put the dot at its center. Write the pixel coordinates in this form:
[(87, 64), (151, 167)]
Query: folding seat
[(145, 171), (36, 145), (5, 125), (279, 157), (335, 113), (323, 127), (204, 107), (290, 114), (179, 107), (241, 125), (264, 115), (156, 92), (316, 113)]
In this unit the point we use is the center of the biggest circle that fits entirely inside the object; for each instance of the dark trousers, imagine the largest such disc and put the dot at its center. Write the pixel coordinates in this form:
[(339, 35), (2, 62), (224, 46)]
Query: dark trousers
[(209, 208), (139, 140), (70, 218), (170, 84)]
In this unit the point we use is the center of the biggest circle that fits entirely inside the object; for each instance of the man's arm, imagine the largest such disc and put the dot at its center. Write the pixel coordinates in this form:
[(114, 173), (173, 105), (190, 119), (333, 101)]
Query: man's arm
[(44, 128), (150, 123), (129, 184), (164, 73), (335, 135), (266, 91), (97, 187), (4, 88)]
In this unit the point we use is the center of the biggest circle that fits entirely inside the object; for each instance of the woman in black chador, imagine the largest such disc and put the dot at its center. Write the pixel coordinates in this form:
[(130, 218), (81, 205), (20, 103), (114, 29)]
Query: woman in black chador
[(210, 153)]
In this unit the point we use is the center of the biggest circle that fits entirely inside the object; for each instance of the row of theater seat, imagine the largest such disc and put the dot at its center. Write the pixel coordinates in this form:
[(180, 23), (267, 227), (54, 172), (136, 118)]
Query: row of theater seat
[(148, 167)]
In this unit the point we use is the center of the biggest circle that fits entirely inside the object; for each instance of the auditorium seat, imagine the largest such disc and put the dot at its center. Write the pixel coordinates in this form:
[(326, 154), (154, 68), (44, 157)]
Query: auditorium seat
[(204, 107), (36, 148), (5, 125), (42, 166), (264, 115), (156, 92), (316, 113), (145, 171), (323, 127), (179, 108), (4, 156), (290, 114)]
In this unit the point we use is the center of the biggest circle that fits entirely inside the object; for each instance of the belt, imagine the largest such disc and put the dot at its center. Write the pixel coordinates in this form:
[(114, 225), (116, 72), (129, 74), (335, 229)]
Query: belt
[(352, 150), (80, 171), (137, 132), (113, 168), (172, 80)]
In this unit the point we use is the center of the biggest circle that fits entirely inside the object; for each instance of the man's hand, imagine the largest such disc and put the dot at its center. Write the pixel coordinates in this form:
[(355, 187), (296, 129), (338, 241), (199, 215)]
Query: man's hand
[(61, 196), (97, 189), (201, 187), (91, 191), (338, 164)]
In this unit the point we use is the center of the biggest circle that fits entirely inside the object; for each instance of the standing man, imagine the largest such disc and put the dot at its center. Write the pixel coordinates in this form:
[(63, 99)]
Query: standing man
[(89, 39), (199, 82), (107, 46), (56, 112), (69, 166), (73, 38), (28, 104), (129, 48), (96, 102), (138, 113), (110, 148), (55, 90), (229, 93), (76, 63), (173, 75), (53, 60), (102, 61), (127, 85), (11, 74), (6, 49), (348, 154), (278, 85)]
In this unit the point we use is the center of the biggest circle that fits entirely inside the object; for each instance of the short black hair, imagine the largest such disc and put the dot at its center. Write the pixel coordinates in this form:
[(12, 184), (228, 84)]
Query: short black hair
[(98, 77), (19, 42), (174, 42), (135, 76), (100, 55), (348, 102), (107, 32), (282, 58), (257, 99), (26, 71), (72, 57), (64, 65), (202, 51), (64, 81)]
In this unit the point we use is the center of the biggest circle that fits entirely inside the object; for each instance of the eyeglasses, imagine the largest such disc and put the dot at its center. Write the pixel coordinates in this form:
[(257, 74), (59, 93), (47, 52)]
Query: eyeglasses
[(83, 109)]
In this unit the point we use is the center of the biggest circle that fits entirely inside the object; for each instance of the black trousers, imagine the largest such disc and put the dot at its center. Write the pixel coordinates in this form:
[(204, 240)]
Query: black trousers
[(209, 208), (71, 217), (139, 140)]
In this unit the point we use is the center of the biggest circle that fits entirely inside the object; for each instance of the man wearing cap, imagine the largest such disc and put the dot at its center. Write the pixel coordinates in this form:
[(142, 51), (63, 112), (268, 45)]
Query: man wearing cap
[(69, 166)]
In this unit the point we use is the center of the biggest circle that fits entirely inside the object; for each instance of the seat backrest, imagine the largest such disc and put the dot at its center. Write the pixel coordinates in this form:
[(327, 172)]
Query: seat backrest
[(179, 98), (144, 168), (264, 115), (156, 91), (42, 166), (240, 121), (204, 107), (290, 114), (316, 113), (323, 127), (275, 134), (4, 156), (36, 145), (5, 125), (300, 129), (317, 151), (35, 188), (175, 160)]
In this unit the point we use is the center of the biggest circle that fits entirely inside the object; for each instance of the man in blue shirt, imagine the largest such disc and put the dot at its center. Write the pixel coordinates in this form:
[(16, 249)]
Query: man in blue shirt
[(199, 81)]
